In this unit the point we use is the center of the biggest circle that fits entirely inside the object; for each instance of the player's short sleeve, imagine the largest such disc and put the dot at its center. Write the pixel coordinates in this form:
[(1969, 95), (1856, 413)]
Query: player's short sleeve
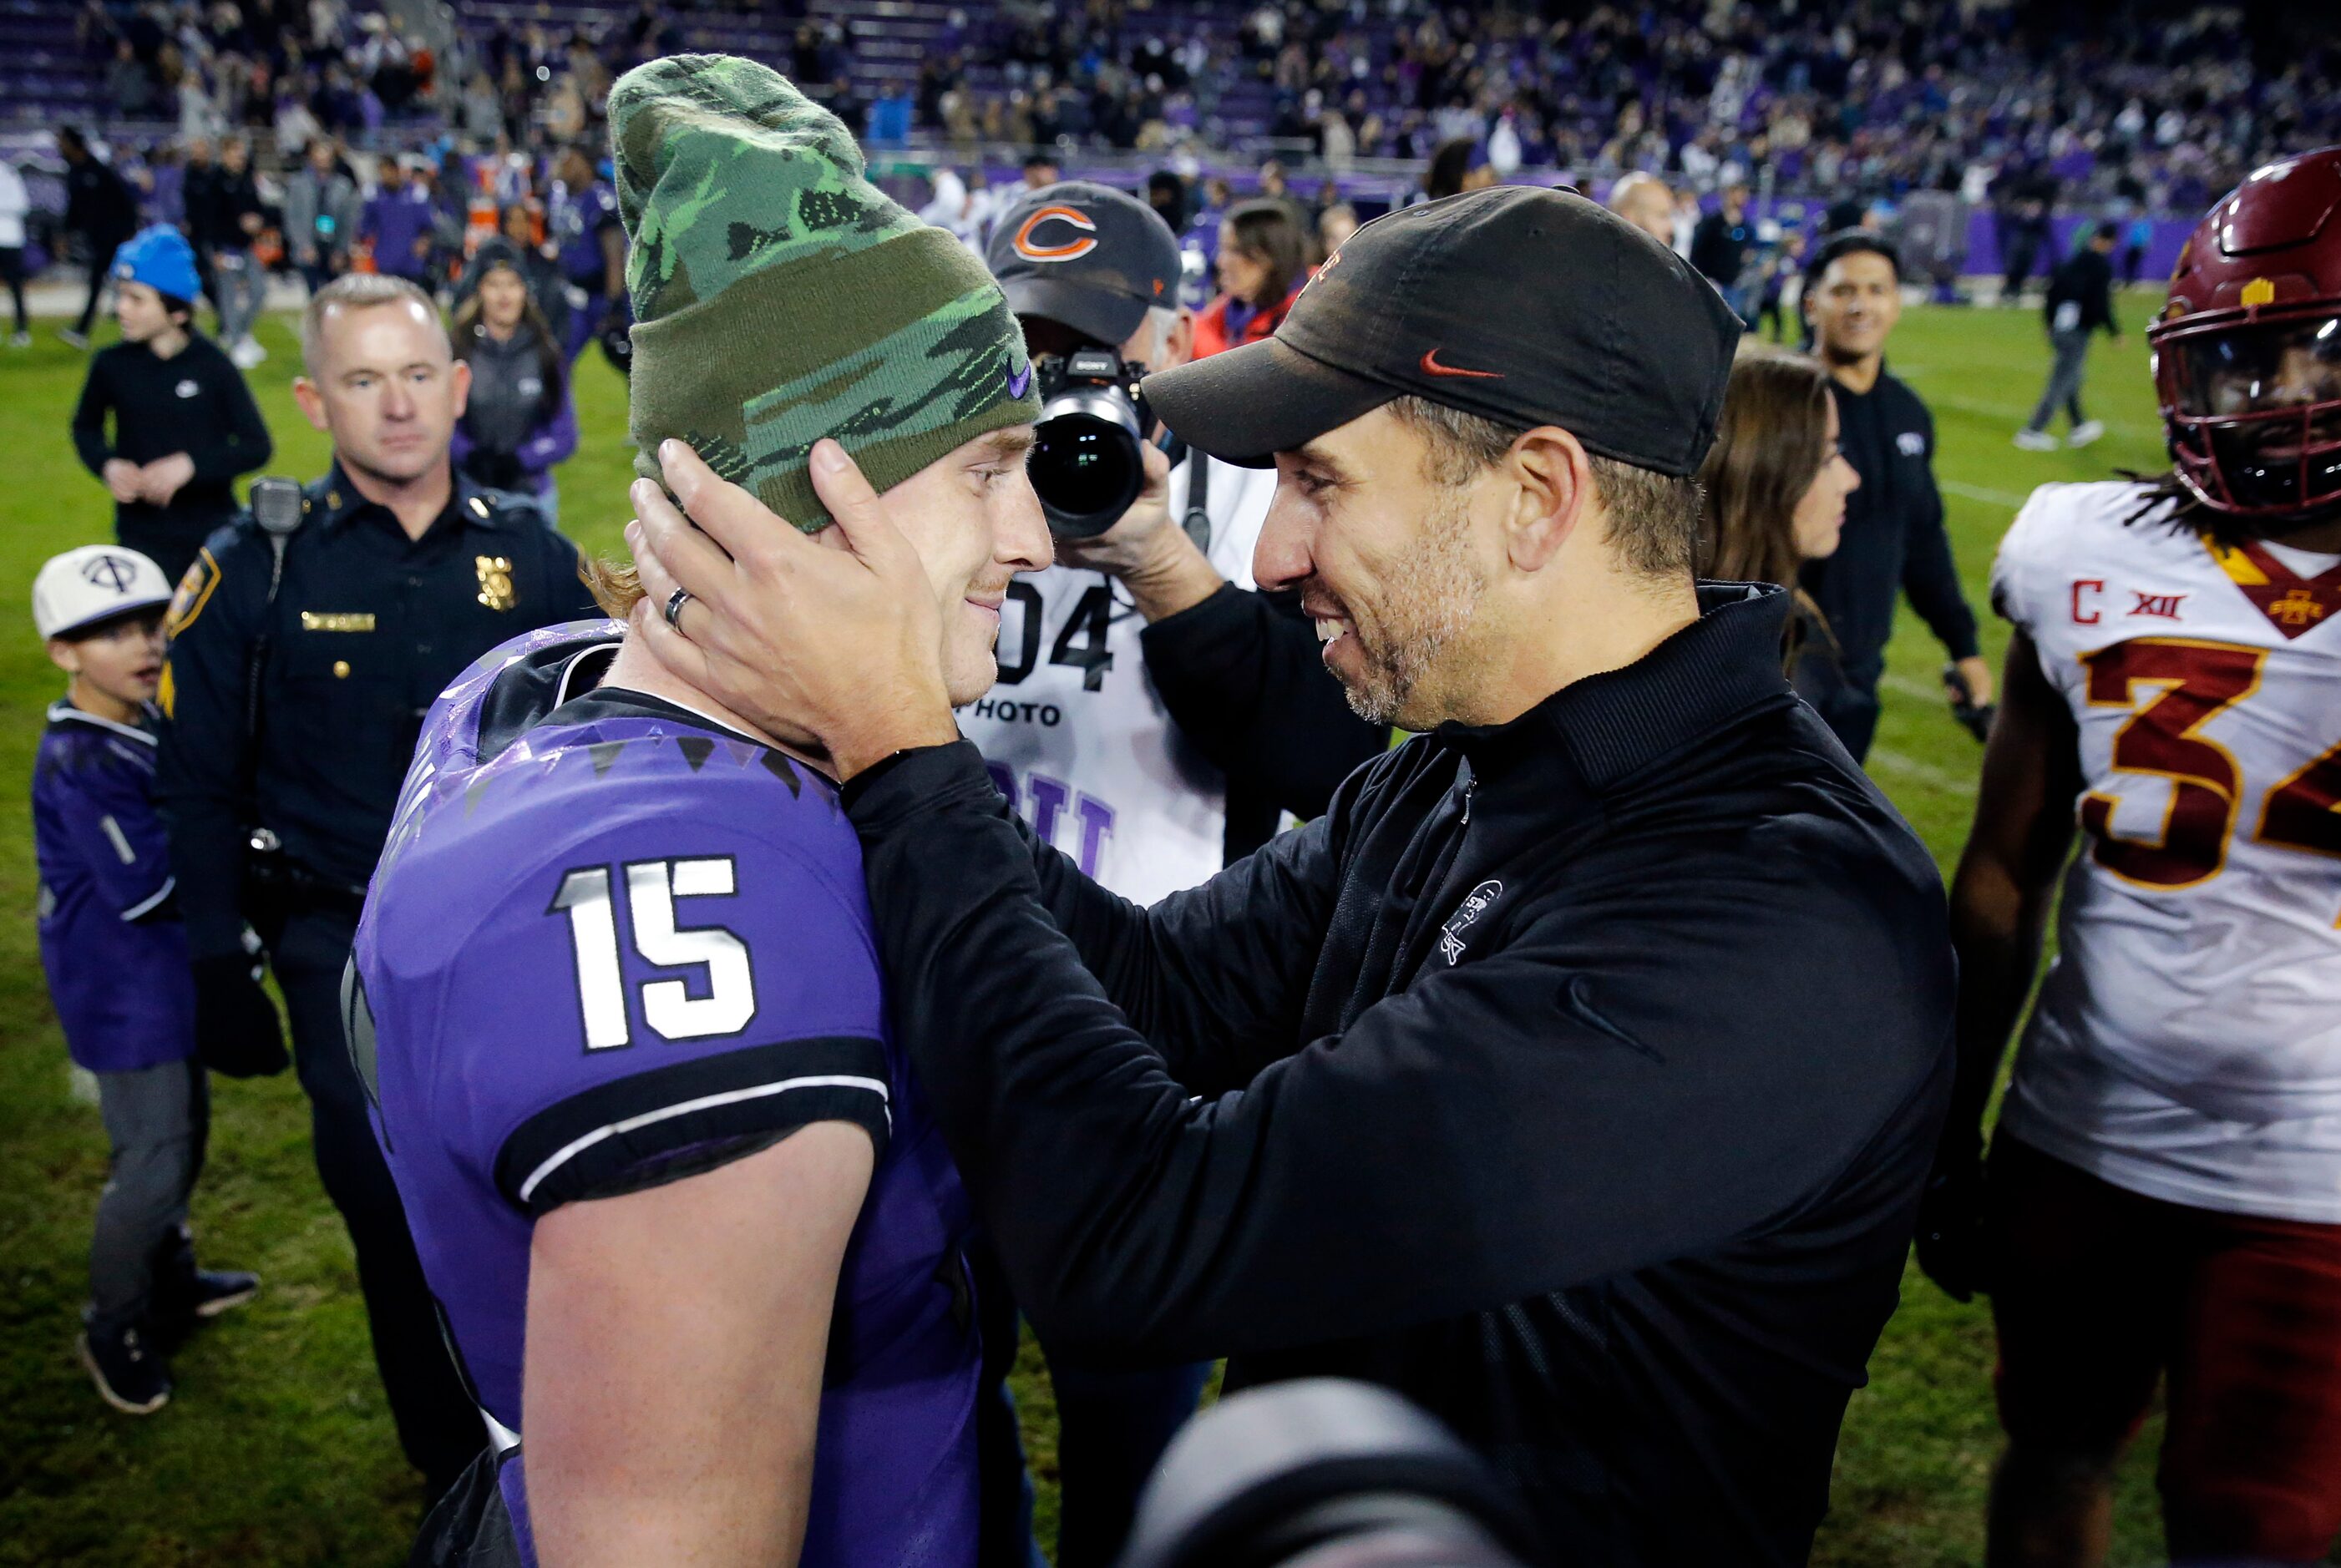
[(658, 1000), (2022, 559)]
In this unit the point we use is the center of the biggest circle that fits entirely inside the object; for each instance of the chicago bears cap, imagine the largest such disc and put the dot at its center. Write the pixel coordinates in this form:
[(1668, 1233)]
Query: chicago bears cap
[(1092, 257), (97, 582), (1526, 306)]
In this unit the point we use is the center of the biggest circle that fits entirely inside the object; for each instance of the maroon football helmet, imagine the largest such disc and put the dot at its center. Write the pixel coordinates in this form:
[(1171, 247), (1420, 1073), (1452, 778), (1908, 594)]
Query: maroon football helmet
[(2247, 354)]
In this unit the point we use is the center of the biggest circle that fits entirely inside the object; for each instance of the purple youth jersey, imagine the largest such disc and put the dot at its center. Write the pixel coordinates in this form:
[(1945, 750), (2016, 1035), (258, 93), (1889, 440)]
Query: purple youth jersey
[(115, 953), (576, 220), (612, 943)]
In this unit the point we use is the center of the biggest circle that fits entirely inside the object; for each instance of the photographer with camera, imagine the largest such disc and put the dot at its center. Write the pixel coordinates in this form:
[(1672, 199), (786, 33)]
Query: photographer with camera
[(1079, 733), (1123, 724)]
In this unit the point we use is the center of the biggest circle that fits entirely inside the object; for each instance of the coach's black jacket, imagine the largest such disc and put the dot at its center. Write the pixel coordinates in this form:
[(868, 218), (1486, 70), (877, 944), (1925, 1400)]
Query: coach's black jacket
[(1575, 1077)]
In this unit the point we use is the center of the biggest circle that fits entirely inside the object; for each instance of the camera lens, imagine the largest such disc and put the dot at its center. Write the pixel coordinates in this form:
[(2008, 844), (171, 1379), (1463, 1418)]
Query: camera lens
[(1085, 471)]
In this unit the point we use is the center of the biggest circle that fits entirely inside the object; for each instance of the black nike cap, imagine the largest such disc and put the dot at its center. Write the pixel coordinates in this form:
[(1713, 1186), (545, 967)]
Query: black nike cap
[(1526, 306), (1092, 257)]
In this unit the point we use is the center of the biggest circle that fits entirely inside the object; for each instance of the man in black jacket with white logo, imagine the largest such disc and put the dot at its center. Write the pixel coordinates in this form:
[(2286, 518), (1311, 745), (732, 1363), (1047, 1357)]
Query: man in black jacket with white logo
[(1575, 1073)]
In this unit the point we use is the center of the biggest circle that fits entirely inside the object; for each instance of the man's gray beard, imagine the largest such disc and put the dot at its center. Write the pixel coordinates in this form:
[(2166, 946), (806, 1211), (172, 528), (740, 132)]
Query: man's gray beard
[(1436, 587)]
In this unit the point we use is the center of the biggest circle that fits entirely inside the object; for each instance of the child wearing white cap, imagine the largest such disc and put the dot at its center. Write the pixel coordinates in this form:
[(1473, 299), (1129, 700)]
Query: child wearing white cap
[(116, 959)]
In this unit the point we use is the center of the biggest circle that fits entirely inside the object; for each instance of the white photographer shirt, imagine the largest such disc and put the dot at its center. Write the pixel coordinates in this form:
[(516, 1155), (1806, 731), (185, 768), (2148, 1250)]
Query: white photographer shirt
[(1074, 733)]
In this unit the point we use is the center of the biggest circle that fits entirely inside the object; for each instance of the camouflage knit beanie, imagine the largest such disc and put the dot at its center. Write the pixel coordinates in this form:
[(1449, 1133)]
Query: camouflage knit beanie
[(780, 297)]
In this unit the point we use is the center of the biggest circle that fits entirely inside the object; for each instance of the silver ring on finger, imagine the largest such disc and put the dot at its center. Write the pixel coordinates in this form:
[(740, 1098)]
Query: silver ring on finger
[(675, 603)]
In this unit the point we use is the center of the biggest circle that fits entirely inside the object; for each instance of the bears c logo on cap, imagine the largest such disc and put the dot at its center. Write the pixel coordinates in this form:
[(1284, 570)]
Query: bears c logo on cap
[(1064, 250)]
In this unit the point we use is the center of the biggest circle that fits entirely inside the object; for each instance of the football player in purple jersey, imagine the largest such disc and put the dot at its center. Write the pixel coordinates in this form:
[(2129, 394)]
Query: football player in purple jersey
[(616, 996)]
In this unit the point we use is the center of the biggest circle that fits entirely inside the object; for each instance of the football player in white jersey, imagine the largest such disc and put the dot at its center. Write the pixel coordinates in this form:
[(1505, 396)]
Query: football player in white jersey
[(2163, 1198), (1132, 677)]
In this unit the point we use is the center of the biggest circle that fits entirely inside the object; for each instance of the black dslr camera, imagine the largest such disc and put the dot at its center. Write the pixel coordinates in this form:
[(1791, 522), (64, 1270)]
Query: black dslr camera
[(1085, 465), (1324, 1473)]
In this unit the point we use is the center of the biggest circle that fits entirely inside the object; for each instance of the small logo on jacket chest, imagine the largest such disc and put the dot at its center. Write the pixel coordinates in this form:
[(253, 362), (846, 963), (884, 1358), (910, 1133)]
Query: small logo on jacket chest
[(495, 581), (1467, 913), (1910, 443), (189, 389)]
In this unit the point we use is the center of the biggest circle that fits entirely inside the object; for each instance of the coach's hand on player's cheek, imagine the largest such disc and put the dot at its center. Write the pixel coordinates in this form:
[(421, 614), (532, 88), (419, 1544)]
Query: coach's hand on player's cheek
[(838, 638)]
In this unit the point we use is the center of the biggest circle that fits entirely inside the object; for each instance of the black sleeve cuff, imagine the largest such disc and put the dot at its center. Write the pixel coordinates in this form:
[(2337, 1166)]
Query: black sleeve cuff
[(594, 1142), (1198, 620)]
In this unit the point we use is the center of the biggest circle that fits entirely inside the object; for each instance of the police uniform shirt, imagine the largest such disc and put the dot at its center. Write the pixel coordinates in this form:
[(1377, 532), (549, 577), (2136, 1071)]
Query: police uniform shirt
[(368, 627)]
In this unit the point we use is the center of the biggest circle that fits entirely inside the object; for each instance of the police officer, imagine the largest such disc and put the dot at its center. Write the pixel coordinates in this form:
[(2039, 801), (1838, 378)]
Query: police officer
[(301, 665)]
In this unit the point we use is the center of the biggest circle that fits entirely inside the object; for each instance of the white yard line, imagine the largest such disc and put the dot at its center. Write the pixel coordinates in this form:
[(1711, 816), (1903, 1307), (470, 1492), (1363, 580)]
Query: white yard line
[(1925, 773), (2006, 498)]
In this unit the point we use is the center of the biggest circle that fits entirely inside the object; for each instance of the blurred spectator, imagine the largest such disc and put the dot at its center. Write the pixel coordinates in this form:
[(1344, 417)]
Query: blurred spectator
[(100, 209), (1335, 224), (1780, 270), (2140, 235), (1261, 268), (223, 218), (2025, 200), (1774, 489), (1687, 220), (322, 214), (518, 419), (397, 222), (546, 287), (2080, 304), (1449, 164), (582, 225), (129, 89), (1644, 201), (1719, 247), (1166, 192), (14, 204)]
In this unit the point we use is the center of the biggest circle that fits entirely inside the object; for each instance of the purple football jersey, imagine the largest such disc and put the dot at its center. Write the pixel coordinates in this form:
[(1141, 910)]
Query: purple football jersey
[(575, 220), (111, 941), (611, 942)]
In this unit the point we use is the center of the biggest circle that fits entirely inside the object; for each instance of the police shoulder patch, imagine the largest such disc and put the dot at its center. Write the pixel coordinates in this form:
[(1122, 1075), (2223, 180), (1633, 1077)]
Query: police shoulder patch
[(194, 592)]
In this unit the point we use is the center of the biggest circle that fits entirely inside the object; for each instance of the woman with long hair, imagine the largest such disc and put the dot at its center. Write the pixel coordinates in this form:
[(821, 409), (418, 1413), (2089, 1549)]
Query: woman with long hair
[(1262, 265), (518, 420), (1774, 488)]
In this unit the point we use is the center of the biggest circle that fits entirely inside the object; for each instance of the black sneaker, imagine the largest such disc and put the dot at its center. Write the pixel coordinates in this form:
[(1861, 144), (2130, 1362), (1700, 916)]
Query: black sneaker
[(129, 1376), (221, 1290), (182, 1300)]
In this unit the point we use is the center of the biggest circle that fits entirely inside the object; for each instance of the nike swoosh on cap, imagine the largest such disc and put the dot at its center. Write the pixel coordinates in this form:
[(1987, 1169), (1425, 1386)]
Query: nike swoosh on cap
[(1430, 366)]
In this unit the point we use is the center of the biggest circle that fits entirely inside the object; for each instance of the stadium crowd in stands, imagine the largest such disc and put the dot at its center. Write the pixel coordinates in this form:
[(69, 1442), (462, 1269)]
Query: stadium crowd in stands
[(2021, 107)]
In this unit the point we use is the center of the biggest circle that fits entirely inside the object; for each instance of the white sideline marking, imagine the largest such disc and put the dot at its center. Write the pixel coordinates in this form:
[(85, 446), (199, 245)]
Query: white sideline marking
[(1925, 773), (2006, 498)]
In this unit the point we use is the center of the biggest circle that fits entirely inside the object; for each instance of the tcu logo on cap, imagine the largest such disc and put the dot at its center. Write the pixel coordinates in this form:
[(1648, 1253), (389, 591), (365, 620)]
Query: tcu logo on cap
[(1032, 250), (110, 573)]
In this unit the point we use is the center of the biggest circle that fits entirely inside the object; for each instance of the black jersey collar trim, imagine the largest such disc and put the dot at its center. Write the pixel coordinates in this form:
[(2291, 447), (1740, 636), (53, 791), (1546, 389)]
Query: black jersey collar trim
[(625, 702)]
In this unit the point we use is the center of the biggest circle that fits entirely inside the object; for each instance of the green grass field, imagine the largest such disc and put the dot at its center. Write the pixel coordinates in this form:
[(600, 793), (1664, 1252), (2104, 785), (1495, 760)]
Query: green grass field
[(278, 1449)]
